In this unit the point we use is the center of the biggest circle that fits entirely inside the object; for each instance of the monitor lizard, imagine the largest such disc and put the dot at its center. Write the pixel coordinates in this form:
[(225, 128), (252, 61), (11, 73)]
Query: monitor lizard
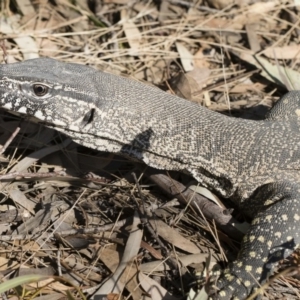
[(254, 163)]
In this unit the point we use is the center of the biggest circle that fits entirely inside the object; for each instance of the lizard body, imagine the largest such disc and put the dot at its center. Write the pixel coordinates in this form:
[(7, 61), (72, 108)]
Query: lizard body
[(254, 163)]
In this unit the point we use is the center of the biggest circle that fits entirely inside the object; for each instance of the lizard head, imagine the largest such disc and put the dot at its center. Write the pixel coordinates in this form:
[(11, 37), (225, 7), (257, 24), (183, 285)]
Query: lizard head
[(48, 91), (93, 108)]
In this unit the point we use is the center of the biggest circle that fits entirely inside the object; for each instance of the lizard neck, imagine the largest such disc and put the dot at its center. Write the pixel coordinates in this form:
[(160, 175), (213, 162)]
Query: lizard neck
[(171, 134)]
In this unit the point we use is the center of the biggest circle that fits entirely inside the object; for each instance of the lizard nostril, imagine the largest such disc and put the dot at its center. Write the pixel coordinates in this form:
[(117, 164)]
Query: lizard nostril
[(40, 89)]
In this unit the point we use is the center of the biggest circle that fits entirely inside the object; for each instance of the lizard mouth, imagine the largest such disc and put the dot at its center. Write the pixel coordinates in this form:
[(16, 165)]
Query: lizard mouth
[(82, 125), (30, 118)]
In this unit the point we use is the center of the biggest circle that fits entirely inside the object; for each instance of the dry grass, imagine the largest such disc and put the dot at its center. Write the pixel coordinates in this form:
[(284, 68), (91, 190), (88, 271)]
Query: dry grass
[(55, 219)]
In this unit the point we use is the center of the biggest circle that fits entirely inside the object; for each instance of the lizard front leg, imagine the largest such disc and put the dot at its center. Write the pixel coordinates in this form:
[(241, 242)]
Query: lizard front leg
[(272, 236)]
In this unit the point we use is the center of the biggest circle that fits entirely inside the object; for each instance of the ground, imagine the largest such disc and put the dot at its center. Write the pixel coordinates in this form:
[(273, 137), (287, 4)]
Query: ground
[(67, 211)]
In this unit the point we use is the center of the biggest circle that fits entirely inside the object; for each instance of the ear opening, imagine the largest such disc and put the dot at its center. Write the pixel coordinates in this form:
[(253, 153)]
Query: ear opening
[(89, 117)]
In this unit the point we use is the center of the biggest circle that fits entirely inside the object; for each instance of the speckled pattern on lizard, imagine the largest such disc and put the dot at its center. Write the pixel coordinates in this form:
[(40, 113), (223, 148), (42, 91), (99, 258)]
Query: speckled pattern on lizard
[(254, 163)]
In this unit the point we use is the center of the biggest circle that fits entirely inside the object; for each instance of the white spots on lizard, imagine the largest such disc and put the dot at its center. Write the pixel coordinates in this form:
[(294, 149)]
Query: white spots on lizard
[(269, 218), (223, 294), (252, 254), (284, 217), (60, 123), (256, 221), (39, 115), (22, 110), (7, 105), (269, 202), (247, 283), (78, 91), (296, 217), (264, 259), (261, 239), (57, 87), (229, 277), (277, 234), (248, 268), (297, 111), (251, 238), (74, 127), (71, 100)]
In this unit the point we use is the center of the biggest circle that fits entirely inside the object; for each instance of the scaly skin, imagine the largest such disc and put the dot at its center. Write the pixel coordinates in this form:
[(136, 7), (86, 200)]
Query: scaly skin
[(254, 163)]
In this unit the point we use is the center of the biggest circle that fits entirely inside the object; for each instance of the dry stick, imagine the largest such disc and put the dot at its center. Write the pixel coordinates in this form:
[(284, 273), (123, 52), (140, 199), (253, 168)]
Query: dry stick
[(10, 139), (27, 175), (192, 5), (94, 230), (144, 221), (222, 82), (3, 47), (211, 211), (144, 218)]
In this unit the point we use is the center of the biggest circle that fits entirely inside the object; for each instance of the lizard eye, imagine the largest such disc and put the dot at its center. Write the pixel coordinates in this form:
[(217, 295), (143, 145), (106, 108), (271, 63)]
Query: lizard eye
[(40, 89)]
